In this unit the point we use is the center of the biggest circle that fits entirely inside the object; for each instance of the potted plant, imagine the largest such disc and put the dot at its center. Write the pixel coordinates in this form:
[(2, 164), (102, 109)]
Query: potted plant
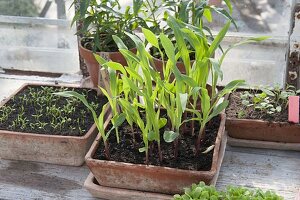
[(143, 145), (36, 125), (191, 13), (99, 21), (259, 117)]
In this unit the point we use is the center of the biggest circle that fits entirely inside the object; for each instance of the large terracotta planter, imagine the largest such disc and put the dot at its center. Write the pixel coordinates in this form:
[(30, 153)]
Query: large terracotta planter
[(92, 64), (55, 149), (151, 178)]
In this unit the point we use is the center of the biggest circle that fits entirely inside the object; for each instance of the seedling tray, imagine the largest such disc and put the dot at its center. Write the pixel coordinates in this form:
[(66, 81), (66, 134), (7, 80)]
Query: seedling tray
[(55, 149)]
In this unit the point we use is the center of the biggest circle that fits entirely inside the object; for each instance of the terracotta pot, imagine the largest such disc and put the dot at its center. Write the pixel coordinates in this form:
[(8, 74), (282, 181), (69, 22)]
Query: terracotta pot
[(262, 130), (150, 178), (93, 65), (55, 149), (259, 130)]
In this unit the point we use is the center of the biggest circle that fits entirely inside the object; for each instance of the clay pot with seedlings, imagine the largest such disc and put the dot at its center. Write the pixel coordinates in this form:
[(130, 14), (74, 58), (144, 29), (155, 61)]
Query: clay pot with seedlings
[(142, 145), (99, 21), (191, 13), (260, 117), (36, 125)]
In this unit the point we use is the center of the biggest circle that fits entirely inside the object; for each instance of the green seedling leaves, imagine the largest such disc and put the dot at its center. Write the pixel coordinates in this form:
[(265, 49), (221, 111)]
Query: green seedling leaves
[(151, 136), (119, 42), (168, 47), (143, 149), (218, 109), (162, 122), (170, 136), (150, 37)]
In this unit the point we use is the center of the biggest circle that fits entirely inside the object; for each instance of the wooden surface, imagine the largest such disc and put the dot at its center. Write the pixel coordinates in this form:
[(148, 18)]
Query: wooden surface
[(268, 169)]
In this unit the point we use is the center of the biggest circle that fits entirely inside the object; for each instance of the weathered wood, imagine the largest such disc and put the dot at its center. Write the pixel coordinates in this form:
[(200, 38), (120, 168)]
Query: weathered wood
[(30, 180), (272, 170)]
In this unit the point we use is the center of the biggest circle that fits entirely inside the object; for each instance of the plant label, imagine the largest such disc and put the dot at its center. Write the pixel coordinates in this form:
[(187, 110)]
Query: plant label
[(294, 109)]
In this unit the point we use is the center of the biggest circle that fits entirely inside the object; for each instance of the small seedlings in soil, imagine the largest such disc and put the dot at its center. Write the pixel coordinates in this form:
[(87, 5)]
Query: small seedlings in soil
[(37, 110)]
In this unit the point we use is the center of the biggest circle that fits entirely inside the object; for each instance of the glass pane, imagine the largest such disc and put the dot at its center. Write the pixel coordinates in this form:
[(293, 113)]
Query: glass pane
[(35, 35)]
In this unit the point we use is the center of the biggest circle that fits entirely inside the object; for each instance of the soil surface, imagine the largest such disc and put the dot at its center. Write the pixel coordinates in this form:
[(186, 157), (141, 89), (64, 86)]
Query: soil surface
[(236, 106), (127, 150), (80, 121)]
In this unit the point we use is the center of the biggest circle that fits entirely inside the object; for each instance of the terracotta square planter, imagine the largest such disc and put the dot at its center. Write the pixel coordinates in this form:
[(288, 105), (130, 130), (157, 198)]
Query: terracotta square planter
[(152, 178), (55, 149), (263, 134)]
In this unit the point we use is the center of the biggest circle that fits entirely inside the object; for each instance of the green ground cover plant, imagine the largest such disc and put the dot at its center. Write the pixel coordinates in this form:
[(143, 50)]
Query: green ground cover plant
[(267, 100), (203, 192)]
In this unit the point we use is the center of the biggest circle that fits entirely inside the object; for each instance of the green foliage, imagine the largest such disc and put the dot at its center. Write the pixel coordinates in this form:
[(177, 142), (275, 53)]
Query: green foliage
[(269, 100), (203, 192), (102, 19)]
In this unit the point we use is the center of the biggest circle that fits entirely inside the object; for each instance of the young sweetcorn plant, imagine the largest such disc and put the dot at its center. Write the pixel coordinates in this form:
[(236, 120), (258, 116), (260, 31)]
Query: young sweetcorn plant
[(196, 79), (138, 77)]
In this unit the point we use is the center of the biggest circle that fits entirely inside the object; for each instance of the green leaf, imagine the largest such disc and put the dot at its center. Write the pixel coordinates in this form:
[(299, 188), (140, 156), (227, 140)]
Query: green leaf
[(162, 122), (205, 101), (119, 119), (99, 59), (214, 45), (137, 4), (183, 100), (168, 47), (218, 109), (207, 14), (170, 136), (151, 136), (115, 66), (217, 68), (150, 37), (143, 149), (119, 42), (268, 92)]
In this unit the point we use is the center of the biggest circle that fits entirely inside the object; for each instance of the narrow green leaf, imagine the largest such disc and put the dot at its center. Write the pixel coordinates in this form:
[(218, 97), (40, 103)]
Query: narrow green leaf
[(150, 37), (207, 14), (119, 42), (218, 109), (143, 149), (162, 122), (168, 47)]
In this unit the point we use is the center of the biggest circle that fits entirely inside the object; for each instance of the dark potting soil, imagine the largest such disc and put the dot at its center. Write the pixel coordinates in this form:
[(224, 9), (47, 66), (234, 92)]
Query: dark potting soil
[(236, 106), (127, 151), (81, 118)]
